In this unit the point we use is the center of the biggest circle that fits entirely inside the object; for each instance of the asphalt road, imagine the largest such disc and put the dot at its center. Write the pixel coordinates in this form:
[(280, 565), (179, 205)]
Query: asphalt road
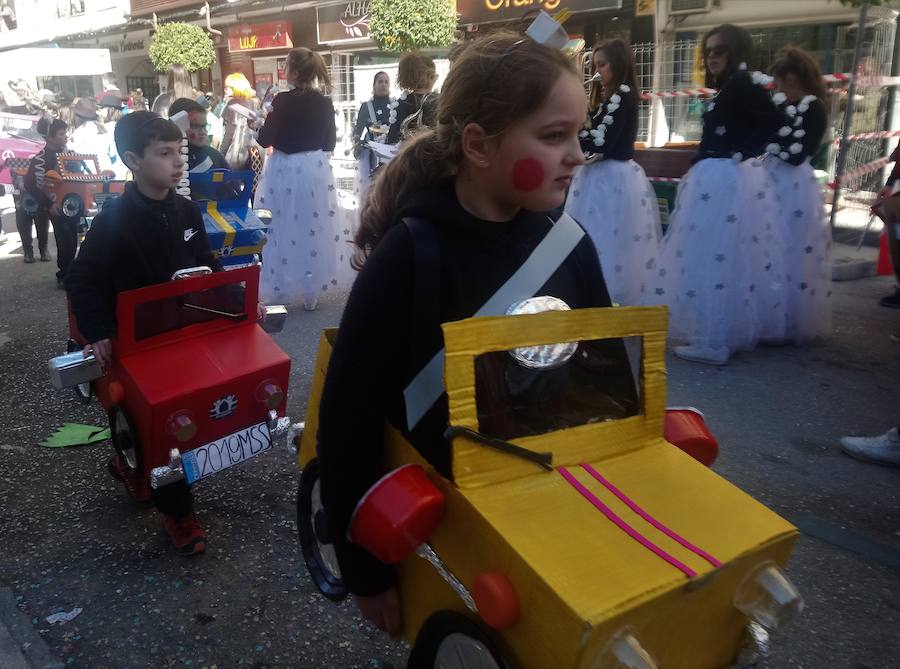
[(71, 539)]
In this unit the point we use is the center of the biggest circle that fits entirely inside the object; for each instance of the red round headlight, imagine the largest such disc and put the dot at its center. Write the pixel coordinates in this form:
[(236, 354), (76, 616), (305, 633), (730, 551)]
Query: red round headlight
[(270, 394), (182, 426)]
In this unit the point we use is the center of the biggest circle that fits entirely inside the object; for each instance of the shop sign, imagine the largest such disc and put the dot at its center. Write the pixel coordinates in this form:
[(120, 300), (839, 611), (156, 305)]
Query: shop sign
[(346, 22), (645, 8), (260, 36), (126, 47), (486, 11)]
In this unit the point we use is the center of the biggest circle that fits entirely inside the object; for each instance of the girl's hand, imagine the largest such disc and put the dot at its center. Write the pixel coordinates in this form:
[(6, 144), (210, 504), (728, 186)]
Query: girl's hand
[(383, 611)]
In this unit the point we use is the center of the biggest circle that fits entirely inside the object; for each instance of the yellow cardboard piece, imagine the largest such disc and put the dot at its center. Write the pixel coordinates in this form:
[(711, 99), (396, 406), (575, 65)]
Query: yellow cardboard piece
[(581, 579)]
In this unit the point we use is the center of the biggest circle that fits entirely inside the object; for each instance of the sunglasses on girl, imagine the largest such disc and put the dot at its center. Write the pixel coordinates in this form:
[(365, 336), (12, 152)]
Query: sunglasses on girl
[(715, 51)]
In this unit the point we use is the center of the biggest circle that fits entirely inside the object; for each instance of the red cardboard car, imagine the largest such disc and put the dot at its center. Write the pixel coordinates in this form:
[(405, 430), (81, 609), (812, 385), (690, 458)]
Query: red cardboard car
[(197, 385)]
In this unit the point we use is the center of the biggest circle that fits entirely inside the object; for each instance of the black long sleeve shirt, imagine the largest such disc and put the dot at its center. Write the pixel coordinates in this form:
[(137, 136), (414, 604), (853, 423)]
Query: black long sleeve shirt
[(803, 127), (364, 119), (47, 159), (134, 242), (300, 120), (616, 142), (371, 361), (740, 119), (409, 105)]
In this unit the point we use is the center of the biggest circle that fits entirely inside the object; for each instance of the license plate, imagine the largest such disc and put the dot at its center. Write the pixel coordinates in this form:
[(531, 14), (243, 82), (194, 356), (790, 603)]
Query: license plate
[(226, 452)]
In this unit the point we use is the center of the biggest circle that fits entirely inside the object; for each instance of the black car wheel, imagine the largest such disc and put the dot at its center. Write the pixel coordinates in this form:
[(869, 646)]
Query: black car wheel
[(125, 439), (72, 206), (315, 544), (83, 391), (451, 640)]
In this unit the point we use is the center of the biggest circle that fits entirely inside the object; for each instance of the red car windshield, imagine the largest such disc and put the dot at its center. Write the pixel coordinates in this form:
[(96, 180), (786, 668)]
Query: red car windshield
[(173, 313)]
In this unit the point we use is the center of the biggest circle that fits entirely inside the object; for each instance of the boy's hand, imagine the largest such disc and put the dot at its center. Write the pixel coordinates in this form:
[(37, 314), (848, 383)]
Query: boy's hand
[(103, 351), (260, 312), (54, 210)]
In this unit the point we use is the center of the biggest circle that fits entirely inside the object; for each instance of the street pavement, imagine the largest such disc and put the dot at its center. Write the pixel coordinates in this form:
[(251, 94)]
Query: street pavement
[(70, 539)]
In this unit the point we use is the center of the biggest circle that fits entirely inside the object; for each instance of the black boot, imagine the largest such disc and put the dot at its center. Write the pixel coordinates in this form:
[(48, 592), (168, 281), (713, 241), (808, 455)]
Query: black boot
[(45, 255), (29, 255)]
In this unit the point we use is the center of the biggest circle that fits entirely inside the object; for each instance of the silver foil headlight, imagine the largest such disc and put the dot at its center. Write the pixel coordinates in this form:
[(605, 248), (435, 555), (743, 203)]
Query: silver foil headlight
[(767, 596)]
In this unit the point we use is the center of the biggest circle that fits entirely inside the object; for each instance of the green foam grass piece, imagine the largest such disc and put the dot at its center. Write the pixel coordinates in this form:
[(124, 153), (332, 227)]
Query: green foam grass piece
[(76, 434)]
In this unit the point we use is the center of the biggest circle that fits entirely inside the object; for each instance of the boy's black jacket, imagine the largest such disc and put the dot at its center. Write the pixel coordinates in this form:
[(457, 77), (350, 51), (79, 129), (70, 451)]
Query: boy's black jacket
[(134, 242)]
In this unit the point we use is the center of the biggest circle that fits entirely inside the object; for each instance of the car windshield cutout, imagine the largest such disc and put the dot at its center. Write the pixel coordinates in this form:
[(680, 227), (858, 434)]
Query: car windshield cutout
[(537, 390), (222, 303)]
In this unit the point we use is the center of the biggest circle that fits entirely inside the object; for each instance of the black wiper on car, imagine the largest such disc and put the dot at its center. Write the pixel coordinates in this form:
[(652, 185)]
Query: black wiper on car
[(227, 314), (544, 460)]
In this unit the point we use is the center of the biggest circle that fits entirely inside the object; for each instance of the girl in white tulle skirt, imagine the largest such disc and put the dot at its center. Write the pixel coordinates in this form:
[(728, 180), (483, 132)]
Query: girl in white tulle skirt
[(611, 196), (308, 250), (798, 193), (721, 269)]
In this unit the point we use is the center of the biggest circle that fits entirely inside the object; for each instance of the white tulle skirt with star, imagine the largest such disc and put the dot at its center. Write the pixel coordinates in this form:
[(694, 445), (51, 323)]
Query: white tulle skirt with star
[(363, 178), (721, 266), (807, 250), (307, 255), (615, 203)]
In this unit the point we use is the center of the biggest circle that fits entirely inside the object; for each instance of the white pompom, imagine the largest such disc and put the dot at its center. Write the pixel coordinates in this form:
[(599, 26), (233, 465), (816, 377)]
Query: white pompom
[(784, 155), (795, 148), (784, 131), (612, 107), (615, 98), (600, 141), (742, 66), (584, 134), (607, 120), (737, 157), (799, 133), (791, 109), (721, 130), (773, 148), (625, 88), (779, 97)]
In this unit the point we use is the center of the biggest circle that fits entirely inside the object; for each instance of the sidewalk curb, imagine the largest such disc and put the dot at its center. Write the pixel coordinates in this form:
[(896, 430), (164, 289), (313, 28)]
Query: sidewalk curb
[(21, 646), (850, 269)]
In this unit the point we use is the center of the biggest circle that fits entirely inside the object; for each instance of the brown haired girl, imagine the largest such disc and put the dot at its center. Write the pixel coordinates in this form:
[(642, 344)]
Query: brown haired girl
[(801, 98), (611, 197), (416, 75), (308, 241), (720, 269), (471, 191)]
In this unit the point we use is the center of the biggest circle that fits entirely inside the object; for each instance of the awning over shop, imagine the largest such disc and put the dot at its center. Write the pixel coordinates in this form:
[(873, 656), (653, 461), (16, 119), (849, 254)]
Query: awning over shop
[(27, 63)]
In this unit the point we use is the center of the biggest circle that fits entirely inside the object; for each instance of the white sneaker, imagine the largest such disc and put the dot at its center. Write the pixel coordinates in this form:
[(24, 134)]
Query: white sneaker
[(884, 448), (710, 355)]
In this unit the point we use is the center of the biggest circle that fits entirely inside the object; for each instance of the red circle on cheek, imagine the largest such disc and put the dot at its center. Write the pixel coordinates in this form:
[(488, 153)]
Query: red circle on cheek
[(528, 175)]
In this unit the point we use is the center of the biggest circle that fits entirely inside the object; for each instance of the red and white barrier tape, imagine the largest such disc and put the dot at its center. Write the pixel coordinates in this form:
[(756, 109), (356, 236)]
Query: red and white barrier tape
[(864, 80), (686, 93), (874, 166), (881, 134), (664, 180)]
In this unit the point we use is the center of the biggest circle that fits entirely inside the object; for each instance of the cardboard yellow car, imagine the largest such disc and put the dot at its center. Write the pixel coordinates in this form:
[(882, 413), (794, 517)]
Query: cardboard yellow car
[(570, 540)]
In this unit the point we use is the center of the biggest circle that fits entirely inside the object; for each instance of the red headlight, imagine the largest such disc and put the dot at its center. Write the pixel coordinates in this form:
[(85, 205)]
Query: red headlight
[(270, 394), (182, 426)]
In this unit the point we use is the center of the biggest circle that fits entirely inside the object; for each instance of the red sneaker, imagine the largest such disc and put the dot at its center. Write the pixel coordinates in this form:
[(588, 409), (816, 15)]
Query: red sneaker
[(186, 535), (137, 488)]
